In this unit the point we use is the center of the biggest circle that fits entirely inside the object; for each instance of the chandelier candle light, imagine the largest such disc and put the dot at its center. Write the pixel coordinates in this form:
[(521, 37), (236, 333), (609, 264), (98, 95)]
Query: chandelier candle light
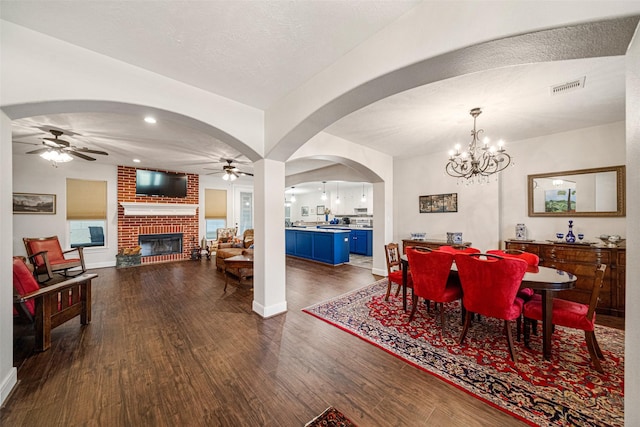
[(480, 160)]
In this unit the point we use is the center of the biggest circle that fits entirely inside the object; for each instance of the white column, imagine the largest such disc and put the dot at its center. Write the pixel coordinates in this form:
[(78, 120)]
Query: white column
[(8, 374), (632, 316), (269, 266), (382, 224)]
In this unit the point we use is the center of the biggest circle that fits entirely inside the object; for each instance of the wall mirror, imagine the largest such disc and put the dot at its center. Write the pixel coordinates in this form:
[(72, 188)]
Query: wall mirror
[(586, 192)]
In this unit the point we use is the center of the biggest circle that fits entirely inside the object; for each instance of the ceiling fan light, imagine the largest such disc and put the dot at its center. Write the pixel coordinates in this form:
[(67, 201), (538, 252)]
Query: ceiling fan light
[(232, 176), (225, 177), (56, 156)]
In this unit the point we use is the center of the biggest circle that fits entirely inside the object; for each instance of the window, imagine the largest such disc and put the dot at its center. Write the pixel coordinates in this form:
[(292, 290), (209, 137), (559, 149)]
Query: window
[(215, 211), (246, 211), (86, 212)]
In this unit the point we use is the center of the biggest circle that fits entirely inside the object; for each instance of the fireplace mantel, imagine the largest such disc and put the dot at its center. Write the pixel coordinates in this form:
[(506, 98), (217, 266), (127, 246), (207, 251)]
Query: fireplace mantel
[(160, 209)]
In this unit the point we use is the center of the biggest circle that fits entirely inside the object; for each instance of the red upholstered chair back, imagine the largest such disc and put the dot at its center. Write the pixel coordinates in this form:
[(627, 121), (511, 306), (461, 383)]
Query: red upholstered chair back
[(459, 249), (24, 282), (532, 259), (430, 272), (489, 286), (49, 244)]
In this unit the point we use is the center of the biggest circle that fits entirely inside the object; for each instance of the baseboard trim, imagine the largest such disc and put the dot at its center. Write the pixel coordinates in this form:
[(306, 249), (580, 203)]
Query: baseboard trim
[(7, 385), (379, 272), (271, 310)]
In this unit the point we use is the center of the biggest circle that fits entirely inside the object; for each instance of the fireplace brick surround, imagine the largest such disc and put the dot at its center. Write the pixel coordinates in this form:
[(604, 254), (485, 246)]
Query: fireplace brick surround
[(130, 227)]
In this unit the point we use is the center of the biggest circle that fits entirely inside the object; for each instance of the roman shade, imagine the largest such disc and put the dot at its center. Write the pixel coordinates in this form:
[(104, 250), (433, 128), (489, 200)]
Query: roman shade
[(215, 203), (86, 199)]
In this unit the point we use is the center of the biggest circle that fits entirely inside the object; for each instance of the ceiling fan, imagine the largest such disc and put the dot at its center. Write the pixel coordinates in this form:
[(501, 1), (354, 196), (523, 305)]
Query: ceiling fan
[(58, 150), (230, 172)]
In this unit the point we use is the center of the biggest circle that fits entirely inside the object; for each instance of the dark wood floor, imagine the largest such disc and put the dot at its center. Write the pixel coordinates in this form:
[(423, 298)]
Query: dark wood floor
[(168, 347)]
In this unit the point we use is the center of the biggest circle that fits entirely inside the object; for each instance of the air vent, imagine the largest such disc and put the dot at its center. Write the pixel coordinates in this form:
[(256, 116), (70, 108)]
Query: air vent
[(567, 87)]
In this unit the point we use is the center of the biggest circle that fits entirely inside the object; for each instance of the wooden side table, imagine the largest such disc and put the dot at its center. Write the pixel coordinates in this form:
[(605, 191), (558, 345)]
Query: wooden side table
[(238, 263)]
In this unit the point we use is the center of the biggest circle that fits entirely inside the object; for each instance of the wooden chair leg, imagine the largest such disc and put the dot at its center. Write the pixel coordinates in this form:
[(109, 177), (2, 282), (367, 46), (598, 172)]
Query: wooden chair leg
[(590, 337), (527, 331), (386, 296), (442, 319), (518, 328), (467, 322), (512, 350), (597, 347), (414, 301)]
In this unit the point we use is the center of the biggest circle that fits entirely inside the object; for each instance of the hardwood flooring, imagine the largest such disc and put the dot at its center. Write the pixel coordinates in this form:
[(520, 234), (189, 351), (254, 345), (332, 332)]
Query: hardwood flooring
[(167, 347)]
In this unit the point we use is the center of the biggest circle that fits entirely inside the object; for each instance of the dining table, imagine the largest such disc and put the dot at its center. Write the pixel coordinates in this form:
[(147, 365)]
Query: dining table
[(544, 280)]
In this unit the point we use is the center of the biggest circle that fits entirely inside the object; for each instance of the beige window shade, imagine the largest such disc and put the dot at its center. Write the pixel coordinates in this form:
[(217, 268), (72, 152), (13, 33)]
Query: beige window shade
[(215, 203), (86, 199)]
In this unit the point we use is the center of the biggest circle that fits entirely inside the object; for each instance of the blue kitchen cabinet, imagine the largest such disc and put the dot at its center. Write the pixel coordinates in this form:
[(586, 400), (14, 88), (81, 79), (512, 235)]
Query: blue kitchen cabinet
[(322, 245), (361, 242)]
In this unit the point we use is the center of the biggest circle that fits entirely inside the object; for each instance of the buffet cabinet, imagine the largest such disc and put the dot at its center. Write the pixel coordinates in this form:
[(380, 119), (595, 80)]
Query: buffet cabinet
[(431, 244), (582, 260)]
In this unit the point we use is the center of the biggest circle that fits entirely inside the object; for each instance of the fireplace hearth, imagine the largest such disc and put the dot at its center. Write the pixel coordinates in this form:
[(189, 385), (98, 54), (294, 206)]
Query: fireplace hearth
[(160, 244)]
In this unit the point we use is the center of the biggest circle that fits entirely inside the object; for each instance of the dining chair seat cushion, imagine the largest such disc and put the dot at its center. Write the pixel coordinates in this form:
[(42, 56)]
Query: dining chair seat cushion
[(396, 277), (565, 313), (526, 294)]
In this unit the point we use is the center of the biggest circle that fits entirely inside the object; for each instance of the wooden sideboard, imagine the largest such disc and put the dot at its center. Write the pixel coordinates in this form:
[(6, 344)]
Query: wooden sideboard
[(582, 261), (431, 244)]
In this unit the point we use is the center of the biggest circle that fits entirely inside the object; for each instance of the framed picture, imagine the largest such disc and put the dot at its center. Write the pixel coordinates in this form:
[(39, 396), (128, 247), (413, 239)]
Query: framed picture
[(438, 203), (305, 210), (30, 203), (320, 210)]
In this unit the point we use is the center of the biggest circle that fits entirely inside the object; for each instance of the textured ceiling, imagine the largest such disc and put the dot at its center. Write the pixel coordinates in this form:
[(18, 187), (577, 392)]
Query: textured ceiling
[(253, 52), (257, 51)]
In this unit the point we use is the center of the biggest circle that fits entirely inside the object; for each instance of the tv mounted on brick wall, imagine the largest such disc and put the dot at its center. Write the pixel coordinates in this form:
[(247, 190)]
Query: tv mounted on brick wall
[(154, 183)]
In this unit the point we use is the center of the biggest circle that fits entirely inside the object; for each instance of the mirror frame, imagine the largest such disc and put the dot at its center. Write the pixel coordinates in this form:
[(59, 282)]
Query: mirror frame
[(620, 185)]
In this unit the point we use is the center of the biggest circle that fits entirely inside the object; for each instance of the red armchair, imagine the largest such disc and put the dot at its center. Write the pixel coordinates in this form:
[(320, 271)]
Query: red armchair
[(532, 260), (50, 306), (432, 279), (394, 269), (572, 315), (48, 258), (489, 287)]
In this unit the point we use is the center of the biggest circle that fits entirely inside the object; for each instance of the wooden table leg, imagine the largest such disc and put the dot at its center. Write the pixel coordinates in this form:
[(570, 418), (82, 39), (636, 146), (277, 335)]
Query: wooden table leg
[(547, 323), (405, 266)]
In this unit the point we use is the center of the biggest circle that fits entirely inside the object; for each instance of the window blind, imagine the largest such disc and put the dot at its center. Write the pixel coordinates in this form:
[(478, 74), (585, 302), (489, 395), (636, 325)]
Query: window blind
[(215, 203), (86, 199)]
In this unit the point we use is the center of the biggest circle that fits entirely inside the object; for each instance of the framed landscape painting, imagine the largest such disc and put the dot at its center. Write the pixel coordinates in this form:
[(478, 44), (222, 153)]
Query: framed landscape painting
[(30, 203), (438, 203)]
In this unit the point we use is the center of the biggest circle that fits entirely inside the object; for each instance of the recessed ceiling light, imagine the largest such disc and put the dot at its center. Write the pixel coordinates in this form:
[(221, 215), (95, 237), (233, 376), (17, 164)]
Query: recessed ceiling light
[(136, 160), (149, 119)]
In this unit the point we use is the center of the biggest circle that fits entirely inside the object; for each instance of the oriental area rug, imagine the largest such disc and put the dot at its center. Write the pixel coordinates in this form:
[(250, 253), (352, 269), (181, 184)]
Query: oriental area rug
[(331, 417), (560, 392)]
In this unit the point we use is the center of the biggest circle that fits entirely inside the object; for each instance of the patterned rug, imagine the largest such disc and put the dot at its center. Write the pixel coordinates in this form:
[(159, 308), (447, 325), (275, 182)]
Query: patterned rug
[(331, 417), (563, 391)]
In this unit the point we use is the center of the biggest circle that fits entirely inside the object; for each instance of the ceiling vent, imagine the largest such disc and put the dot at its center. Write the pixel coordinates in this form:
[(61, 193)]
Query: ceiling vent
[(568, 87)]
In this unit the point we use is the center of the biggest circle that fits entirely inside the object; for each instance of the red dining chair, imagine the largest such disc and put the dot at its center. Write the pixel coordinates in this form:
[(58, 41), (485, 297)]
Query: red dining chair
[(394, 269), (573, 315), (524, 294), (489, 287), (432, 279), (459, 249)]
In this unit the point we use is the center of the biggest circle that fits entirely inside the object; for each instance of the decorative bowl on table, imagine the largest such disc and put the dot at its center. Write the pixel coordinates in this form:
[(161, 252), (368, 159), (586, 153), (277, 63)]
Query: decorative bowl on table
[(611, 241)]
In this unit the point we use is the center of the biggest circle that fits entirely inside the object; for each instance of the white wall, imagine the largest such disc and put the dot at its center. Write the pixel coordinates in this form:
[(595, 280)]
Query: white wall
[(31, 174), (581, 149), (478, 205), (350, 198)]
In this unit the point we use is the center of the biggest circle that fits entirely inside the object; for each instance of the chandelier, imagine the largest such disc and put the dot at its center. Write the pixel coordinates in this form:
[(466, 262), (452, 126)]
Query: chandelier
[(480, 160)]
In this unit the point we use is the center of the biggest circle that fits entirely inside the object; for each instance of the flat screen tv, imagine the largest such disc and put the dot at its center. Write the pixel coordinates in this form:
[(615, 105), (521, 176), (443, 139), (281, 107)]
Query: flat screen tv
[(154, 183)]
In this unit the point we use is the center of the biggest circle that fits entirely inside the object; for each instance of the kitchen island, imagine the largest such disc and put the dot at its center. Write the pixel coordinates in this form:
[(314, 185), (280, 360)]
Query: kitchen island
[(330, 246)]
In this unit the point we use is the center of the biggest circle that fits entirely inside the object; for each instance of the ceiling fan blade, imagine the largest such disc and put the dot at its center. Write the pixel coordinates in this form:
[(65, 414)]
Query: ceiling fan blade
[(82, 156), (60, 142), (38, 151), (245, 173), (23, 142), (86, 150)]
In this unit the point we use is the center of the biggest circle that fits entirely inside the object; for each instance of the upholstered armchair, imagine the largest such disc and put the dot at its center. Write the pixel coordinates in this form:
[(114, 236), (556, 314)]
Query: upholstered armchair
[(47, 257)]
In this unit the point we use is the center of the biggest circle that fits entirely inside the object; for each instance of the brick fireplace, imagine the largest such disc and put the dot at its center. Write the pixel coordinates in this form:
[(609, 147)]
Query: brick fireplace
[(151, 221)]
